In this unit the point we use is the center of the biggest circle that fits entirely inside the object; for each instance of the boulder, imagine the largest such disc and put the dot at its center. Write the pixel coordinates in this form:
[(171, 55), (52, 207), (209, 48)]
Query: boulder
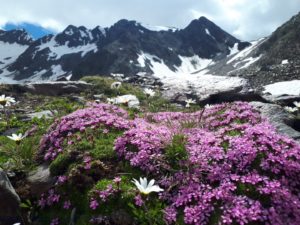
[(40, 180), (279, 118), (51, 88), (203, 87), (46, 113), (130, 100), (9, 201), (283, 100)]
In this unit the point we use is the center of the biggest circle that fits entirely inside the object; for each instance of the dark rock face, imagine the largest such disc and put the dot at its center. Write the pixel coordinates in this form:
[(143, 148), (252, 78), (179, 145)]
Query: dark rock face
[(15, 36), (202, 37), (80, 51), (9, 201)]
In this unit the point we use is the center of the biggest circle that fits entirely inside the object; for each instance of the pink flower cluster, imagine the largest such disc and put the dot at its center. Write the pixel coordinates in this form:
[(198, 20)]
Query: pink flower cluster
[(143, 144), (239, 170), (96, 116), (102, 196), (48, 200)]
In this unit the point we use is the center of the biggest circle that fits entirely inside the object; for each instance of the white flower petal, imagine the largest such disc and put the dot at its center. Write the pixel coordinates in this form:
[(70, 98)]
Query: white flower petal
[(151, 183), (154, 188), (137, 184), (144, 182)]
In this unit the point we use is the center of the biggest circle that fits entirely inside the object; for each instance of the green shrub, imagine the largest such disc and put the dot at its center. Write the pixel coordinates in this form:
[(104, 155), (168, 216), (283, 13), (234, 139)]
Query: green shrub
[(176, 152), (61, 164)]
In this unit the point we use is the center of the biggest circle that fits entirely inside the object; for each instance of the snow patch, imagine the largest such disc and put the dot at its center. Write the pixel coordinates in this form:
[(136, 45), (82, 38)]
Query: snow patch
[(10, 52), (189, 64), (69, 32), (57, 51), (102, 30), (182, 81), (248, 61), (245, 52), (193, 64), (56, 72), (83, 33), (69, 77), (157, 28), (234, 49), (141, 59), (283, 88), (7, 78), (208, 33)]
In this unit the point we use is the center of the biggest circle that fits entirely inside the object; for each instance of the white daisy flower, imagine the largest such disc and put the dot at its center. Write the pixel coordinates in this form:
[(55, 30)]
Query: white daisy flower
[(116, 85), (149, 92), (6, 101), (207, 106), (188, 102), (146, 188), (16, 137)]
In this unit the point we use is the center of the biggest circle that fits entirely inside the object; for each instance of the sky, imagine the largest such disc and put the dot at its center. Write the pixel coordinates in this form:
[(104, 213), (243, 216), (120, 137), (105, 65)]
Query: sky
[(34, 30), (245, 19)]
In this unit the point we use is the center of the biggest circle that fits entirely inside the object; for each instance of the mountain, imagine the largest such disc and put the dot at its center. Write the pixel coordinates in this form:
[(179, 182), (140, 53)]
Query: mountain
[(35, 31), (12, 44), (127, 47), (269, 60)]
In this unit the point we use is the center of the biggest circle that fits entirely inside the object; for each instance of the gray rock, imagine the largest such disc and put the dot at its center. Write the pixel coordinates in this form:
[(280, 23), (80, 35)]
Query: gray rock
[(51, 88), (78, 99), (40, 180), (9, 201), (279, 118), (99, 96), (46, 113), (203, 87), (131, 100), (283, 100)]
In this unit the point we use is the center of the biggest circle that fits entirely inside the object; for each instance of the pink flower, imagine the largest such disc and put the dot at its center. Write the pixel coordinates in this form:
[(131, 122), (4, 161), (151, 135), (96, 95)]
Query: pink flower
[(67, 204), (105, 131), (94, 204), (117, 180), (61, 179), (138, 201), (54, 221), (42, 202)]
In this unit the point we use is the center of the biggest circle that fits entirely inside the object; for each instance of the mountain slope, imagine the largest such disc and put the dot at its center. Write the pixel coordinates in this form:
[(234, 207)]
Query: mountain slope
[(127, 47), (279, 58), (12, 44)]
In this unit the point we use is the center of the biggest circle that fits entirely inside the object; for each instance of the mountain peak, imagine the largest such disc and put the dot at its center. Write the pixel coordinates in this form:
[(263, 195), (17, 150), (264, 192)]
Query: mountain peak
[(19, 36), (201, 23), (121, 48), (123, 23), (203, 19)]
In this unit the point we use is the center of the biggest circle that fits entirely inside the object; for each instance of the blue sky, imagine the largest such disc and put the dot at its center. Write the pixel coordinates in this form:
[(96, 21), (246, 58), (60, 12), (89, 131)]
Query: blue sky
[(245, 19), (35, 31)]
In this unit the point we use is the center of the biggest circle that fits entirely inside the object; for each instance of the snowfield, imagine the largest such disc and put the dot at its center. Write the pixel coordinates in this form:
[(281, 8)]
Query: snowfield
[(183, 81), (283, 88)]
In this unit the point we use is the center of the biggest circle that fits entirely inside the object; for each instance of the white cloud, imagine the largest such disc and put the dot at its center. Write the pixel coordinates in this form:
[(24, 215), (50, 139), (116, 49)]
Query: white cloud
[(246, 19)]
